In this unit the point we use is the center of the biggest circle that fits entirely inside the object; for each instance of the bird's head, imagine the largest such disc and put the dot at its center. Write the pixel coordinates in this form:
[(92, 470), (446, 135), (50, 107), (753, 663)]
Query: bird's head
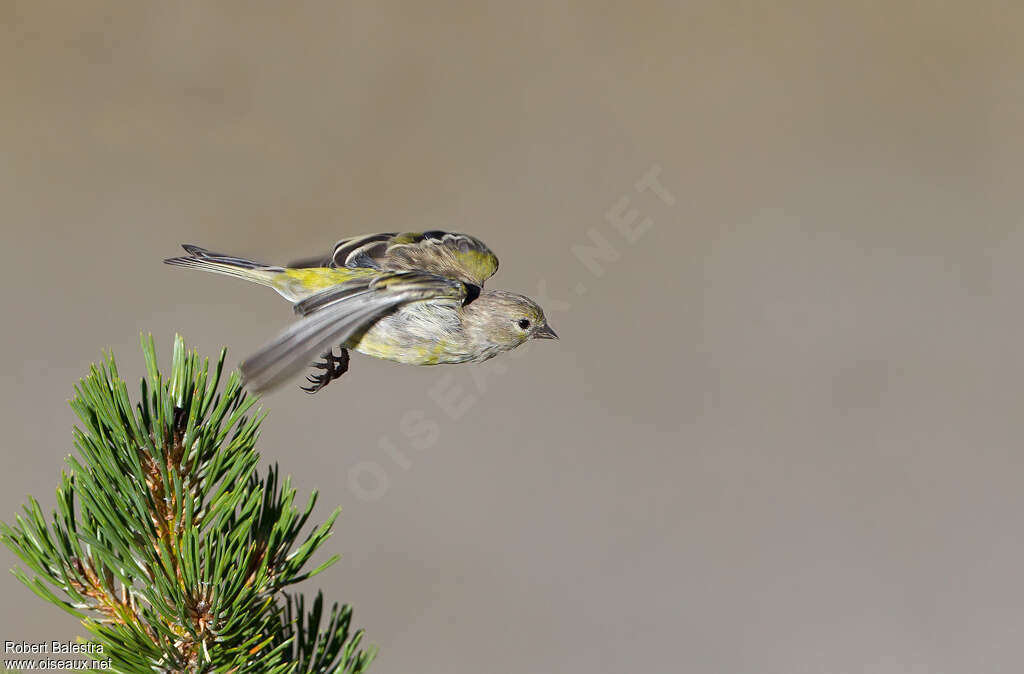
[(505, 320)]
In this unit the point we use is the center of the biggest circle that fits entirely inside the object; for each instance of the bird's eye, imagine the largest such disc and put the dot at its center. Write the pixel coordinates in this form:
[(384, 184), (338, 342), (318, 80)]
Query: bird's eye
[(524, 323)]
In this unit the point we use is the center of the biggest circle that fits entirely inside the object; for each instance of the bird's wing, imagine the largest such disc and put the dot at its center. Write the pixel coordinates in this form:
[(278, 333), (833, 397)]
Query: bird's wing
[(337, 257), (457, 256), (334, 315)]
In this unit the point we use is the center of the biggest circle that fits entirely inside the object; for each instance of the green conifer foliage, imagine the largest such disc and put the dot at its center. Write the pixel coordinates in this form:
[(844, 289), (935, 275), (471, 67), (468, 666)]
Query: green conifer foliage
[(168, 544)]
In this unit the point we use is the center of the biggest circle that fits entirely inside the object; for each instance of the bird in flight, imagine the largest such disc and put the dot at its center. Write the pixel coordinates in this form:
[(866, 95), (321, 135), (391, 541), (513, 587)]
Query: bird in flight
[(414, 298)]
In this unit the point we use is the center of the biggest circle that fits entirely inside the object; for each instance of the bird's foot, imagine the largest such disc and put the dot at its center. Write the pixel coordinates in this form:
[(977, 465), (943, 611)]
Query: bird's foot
[(332, 366)]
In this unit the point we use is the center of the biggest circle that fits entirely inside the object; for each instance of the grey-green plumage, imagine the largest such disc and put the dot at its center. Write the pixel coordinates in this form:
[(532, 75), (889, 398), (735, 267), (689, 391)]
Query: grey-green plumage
[(413, 298)]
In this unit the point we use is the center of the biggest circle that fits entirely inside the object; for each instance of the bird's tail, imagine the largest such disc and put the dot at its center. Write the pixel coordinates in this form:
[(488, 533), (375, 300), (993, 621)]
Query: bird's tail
[(200, 258)]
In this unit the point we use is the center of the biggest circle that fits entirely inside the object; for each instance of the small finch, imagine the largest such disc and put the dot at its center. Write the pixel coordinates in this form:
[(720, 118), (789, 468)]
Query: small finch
[(413, 298)]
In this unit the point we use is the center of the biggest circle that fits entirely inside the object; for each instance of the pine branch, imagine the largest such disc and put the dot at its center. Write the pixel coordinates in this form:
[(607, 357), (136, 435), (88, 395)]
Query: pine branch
[(168, 545)]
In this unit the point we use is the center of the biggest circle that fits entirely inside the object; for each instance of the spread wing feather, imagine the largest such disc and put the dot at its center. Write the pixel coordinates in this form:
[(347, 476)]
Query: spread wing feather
[(457, 256), (336, 315)]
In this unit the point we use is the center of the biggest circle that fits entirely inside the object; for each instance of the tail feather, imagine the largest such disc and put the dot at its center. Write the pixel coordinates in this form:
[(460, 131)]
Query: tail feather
[(200, 258), (202, 253)]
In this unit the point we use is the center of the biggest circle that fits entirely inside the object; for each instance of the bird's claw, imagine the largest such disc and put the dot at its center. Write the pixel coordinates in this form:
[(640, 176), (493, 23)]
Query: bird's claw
[(332, 366)]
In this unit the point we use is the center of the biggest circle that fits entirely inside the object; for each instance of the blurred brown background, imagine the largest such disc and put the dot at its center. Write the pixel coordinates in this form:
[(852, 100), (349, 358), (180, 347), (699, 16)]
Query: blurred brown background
[(781, 432)]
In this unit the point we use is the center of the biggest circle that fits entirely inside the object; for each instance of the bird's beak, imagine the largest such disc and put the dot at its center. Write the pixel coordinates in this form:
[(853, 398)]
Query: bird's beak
[(544, 332)]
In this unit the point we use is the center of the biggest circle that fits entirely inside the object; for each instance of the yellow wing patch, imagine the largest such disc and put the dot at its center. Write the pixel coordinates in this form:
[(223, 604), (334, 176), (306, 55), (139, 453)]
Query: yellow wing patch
[(480, 265)]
